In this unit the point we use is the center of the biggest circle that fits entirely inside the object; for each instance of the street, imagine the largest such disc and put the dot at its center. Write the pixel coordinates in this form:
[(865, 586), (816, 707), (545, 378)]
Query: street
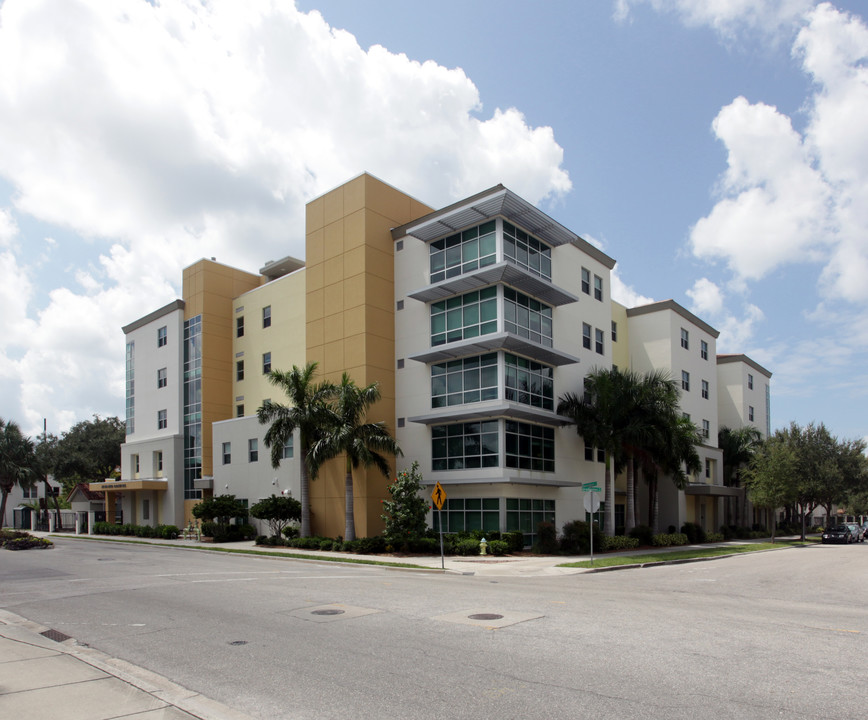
[(763, 635)]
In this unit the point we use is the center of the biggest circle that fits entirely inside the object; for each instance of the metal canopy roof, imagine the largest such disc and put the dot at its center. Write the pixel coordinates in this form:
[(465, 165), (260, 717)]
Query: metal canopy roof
[(495, 341), (506, 272), (497, 201), (493, 409)]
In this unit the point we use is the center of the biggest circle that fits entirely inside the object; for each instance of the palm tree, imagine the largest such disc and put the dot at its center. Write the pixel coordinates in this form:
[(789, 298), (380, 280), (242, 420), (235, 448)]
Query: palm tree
[(17, 461), (674, 453), (598, 416), (361, 442), (308, 413), (739, 445)]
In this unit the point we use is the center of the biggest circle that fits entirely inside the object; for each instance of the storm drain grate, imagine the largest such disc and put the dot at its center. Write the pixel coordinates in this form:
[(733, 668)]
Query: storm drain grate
[(55, 635), (485, 616), (327, 611), (237, 642)]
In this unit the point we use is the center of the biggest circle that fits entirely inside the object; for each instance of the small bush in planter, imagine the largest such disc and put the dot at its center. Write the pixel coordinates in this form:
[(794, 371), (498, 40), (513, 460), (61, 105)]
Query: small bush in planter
[(498, 547), (643, 534), (546, 539), (468, 546)]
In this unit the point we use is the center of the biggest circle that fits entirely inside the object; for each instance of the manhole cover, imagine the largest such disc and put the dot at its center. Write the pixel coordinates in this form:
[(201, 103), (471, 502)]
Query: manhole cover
[(238, 642), (55, 635), (327, 611), (485, 616)]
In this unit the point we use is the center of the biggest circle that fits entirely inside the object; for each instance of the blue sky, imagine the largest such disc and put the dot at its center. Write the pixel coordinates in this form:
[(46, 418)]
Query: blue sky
[(718, 151)]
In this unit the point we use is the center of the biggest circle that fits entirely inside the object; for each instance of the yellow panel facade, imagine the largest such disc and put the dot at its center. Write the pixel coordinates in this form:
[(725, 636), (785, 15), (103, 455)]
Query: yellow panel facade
[(350, 321)]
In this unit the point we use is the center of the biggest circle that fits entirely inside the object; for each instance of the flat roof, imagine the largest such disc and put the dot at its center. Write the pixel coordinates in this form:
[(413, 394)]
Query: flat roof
[(723, 359), (677, 309), (156, 315)]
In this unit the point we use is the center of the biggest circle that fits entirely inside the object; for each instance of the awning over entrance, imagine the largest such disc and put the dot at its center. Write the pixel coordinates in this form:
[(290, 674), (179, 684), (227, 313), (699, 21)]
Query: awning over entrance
[(129, 485), (713, 490)]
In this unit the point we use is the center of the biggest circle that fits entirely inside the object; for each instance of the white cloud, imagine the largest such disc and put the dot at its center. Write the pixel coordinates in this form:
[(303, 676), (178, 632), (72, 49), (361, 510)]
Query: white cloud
[(626, 294), (8, 228), (173, 131), (791, 197), (706, 296), (728, 17)]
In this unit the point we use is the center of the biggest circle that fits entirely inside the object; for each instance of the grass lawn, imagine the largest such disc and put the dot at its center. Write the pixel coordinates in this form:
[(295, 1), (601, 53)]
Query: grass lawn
[(694, 553)]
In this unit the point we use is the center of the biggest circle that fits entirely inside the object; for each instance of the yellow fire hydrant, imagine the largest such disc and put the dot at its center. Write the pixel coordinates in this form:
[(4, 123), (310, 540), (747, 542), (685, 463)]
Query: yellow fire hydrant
[(483, 546)]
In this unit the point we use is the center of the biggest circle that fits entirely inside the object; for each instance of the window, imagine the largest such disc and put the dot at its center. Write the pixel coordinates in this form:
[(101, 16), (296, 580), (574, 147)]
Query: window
[(589, 453), (528, 382), (162, 336), (266, 316), (525, 515), (526, 317), (464, 445), (463, 381), (708, 467), (465, 316), (685, 339), (146, 509), (586, 336), (706, 428), (29, 492), (529, 447), (601, 455), (463, 252), (614, 331), (158, 462), (239, 411), (685, 415), (134, 463), (521, 249), (227, 453), (705, 389), (192, 412), (586, 281), (162, 420), (598, 288), (239, 369), (598, 341), (750, 413), (266, 363), (703, 349), (399, 305), (162, 378), (685, 380), (253, 450), (287, 451), (750, 381), (460, 514), (239, 326), (131, 388)]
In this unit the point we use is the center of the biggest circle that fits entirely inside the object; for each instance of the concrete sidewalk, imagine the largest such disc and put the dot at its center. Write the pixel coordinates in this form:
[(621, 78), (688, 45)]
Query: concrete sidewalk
[(44, 677)]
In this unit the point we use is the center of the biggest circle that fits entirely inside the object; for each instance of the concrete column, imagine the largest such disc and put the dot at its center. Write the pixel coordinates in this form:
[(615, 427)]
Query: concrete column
[(78, 522), (91, 521), (51, 522), (34, 518)]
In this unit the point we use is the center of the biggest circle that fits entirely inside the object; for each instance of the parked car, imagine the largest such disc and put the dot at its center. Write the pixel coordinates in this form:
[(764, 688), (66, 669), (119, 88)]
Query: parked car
[(838, 534), (858, 533)]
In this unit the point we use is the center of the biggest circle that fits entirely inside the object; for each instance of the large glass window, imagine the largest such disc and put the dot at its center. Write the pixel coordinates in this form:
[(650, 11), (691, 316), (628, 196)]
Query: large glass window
[(464, 446), (526, 251), (469, 514), (527, 317), (528, 382), (192, 406), (131, 388), (524, 515), (468, 380), (529, 447), (465, 251), (465, 316)]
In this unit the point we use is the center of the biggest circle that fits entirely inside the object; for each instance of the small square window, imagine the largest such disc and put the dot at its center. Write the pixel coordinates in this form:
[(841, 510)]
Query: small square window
[(266, 363), (239, 369), (162, 420), (253, 450), (589, 453), (227, 453), (685, 381), (402, 422), (239, 411), (162, 378), (266, 316), (239, 326), (162, 336)]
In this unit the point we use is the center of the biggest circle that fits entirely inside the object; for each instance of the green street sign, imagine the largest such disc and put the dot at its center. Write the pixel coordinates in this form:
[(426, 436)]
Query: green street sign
[(590, 487)]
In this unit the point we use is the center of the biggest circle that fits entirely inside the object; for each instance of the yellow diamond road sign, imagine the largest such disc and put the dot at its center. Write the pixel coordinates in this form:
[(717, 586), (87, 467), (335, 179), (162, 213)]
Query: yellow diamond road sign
[(438, 496)]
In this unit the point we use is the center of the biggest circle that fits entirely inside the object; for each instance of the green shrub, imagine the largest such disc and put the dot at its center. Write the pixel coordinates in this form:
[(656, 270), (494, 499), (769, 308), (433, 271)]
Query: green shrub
[(427, 545), (669, 539), (576, 538), (515, 540), (714, 537), (498, 547), (619, 542), (371, 545), (695, 534), (290, 531), (546, 539), (405, 515), (27, 543), (246, 531), (643, 534), (7, 535), (468, 546), (168, 532)]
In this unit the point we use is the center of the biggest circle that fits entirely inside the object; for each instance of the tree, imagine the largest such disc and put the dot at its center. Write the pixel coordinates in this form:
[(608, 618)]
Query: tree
[(46, 454), (90, 450), (307, 412), (769, 476), (278, 511), (738, 446), (404, 515), (17, 461), (361, 443), (221, 509)]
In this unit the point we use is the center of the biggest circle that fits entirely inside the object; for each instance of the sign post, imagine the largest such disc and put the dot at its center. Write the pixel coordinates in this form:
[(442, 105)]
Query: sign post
[(439, 497), (592, 504)]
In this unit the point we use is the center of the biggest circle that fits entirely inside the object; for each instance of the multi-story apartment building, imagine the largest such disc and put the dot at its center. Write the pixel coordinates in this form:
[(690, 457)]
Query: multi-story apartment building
[(474, 319)]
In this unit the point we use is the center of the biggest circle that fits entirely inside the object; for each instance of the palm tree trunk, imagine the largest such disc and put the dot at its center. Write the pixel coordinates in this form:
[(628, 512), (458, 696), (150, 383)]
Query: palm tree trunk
[(630, 516), (5, 494), (349, 510), (56, 504), (655, 507), (305, 497), (609, 517)]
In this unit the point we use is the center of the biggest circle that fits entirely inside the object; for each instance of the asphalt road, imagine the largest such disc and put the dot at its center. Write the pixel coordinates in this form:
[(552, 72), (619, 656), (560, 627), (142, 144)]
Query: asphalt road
[(781, 634)]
